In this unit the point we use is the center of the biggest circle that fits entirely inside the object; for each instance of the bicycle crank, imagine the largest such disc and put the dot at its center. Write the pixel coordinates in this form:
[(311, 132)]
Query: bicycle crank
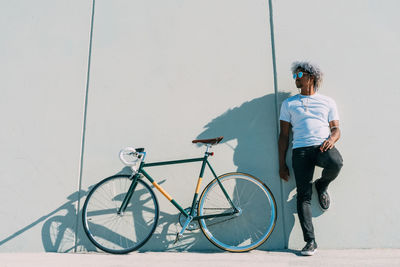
[(193, 225)]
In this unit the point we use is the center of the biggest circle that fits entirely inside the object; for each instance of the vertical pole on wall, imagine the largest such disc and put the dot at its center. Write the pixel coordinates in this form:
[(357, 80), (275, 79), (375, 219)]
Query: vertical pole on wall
[(78, 204), (271, 24)]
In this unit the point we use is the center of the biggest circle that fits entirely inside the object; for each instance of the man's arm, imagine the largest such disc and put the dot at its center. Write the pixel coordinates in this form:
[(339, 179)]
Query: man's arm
[(333, 138), (283, 144)]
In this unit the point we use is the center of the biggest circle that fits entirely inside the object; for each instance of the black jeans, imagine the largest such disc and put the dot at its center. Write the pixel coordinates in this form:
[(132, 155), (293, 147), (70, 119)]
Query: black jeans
[(304, 160)]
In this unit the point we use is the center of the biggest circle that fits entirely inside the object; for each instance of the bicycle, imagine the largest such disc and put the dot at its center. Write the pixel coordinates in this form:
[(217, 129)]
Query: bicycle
[(236, 211)]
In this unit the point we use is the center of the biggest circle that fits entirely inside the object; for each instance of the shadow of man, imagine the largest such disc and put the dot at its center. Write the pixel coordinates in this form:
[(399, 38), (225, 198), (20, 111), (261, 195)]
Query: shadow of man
[(253, 125)]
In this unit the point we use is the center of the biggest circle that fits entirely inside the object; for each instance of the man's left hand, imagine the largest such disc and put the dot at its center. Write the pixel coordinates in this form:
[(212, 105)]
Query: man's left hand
[(328, 144)]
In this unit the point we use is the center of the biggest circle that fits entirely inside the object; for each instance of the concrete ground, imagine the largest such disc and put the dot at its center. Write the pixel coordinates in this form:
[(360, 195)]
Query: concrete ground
[(325, 258)]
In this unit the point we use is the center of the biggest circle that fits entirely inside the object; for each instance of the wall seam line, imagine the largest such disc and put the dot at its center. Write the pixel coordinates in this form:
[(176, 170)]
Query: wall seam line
[(276, 90), (83, 133)]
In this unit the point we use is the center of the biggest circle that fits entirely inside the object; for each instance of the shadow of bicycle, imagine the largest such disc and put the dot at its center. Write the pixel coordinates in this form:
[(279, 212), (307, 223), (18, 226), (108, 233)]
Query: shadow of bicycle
[(61, 232)]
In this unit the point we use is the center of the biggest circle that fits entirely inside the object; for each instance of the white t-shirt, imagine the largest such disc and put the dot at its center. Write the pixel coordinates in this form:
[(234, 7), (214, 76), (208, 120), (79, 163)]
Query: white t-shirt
[(309, 117)]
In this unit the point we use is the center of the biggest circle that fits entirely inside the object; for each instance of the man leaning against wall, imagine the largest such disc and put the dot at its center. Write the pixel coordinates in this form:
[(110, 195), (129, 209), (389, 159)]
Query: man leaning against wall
[(314, 120)]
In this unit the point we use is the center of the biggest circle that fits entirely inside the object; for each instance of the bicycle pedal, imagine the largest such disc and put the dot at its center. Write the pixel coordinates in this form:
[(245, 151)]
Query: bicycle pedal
[(178, 236)]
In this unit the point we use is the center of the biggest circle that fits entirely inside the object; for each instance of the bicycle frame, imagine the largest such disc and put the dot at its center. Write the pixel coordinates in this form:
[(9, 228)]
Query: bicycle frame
[(204, 161)]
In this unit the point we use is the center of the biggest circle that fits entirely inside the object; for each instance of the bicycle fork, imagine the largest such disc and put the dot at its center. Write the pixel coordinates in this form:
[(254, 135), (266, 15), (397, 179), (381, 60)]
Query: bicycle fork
[(129, 194)]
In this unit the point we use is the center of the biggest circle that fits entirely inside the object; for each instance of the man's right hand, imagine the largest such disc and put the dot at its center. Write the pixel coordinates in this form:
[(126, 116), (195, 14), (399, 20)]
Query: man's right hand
[(284, 173)]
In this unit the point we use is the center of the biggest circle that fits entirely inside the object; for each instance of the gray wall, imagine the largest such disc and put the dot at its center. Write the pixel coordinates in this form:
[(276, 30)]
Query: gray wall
[(43, 51), (163, 73)]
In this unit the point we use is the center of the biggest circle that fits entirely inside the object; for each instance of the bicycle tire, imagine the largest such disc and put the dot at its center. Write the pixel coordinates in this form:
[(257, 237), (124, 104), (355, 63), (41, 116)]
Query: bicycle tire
[(251, 226), (120, 233)]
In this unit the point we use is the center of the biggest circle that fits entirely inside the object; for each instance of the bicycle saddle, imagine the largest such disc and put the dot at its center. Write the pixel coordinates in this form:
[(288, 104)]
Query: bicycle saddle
[(212, 141)]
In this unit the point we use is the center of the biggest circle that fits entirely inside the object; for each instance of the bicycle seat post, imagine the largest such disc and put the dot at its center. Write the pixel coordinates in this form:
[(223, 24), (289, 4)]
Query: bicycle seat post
[(208, 148)]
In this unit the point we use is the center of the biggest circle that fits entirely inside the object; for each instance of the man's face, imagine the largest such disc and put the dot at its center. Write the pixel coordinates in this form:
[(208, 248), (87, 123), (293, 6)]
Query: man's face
[(302, 78)]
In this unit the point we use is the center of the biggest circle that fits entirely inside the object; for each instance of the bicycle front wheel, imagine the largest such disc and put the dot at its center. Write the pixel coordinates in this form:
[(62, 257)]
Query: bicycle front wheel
[(120, 232), (254, 206)]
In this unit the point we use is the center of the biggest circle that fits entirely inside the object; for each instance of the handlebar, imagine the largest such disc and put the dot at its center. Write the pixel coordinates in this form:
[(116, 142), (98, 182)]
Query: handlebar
[(132, 157)]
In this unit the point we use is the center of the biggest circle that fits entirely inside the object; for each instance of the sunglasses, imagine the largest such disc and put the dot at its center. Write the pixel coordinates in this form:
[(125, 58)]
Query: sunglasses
[(300, 74)]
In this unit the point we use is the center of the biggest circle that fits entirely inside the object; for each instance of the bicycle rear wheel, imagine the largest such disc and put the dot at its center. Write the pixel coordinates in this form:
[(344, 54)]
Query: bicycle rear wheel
[(120, 233), (254, 220)]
